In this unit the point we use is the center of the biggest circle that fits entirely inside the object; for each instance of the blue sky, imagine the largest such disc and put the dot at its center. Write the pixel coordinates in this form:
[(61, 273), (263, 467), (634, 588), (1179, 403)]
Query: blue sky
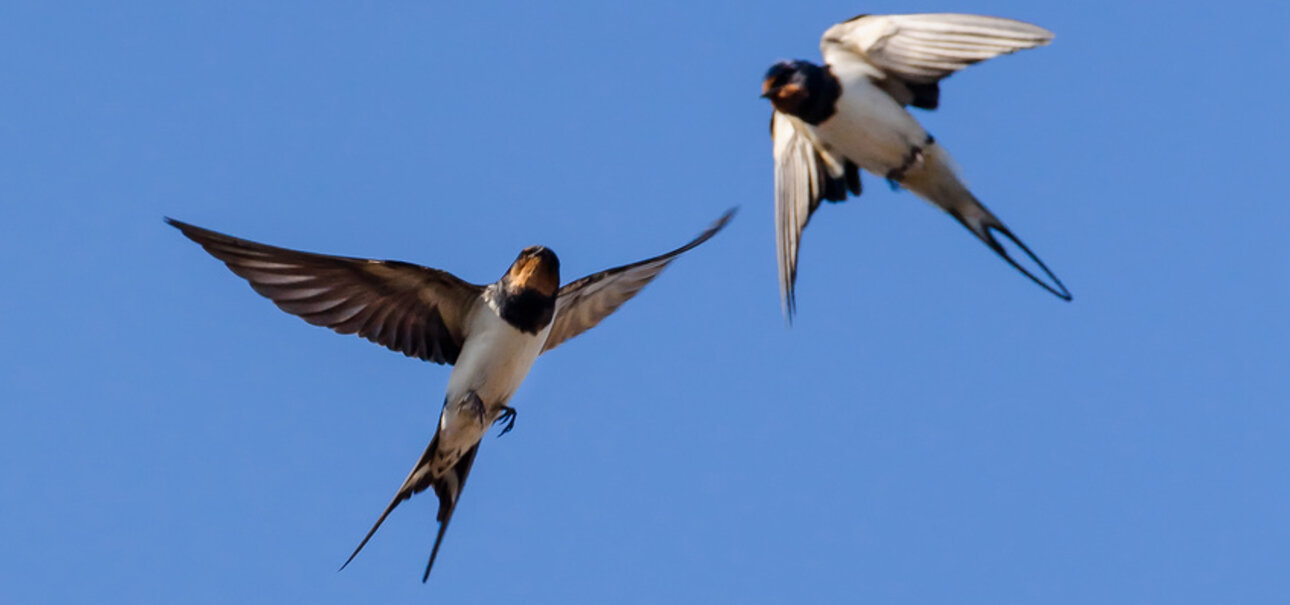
[(933, 428)]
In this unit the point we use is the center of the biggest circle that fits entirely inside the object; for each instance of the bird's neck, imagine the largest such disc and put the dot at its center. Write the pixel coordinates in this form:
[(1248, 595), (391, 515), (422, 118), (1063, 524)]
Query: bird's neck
[(526, 309), (822, 92)]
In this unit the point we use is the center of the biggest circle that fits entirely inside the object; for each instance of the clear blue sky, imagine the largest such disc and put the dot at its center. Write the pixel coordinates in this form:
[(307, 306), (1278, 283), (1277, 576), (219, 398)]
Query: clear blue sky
[(934, 428)]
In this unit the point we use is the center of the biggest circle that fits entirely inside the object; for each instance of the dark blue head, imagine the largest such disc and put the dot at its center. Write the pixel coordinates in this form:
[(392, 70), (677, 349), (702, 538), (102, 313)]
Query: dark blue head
[(780, 75), (801, 89)]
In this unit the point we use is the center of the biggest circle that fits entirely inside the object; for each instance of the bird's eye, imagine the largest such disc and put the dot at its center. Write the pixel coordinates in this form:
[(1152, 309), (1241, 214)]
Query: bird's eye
[(778, 75), (783, 75)]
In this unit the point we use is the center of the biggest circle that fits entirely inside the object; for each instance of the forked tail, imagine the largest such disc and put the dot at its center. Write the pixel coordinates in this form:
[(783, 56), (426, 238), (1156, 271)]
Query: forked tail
[(983, 224), (447, 487)]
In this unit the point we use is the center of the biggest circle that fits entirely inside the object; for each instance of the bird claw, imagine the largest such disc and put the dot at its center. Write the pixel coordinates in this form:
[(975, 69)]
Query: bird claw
[(507, 416), (476, 405)]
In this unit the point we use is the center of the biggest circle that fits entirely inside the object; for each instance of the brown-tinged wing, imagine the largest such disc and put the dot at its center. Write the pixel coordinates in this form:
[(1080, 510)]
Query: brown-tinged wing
[(584, 303), (415, 310)]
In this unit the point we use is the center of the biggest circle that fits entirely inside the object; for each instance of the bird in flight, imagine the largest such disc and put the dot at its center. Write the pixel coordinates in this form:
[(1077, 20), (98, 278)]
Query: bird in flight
[(491, 334), (832, 120)]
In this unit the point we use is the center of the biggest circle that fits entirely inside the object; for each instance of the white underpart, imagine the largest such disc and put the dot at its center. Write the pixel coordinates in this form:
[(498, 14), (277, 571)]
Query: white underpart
[(869, 127), (492, 364), (876, 133)]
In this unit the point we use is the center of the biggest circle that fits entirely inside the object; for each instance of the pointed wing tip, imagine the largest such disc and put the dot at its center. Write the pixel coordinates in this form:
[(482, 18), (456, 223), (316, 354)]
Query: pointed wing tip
[(1042, 38), (1045, 34), (712, 230), (190, 231), (724, 220)]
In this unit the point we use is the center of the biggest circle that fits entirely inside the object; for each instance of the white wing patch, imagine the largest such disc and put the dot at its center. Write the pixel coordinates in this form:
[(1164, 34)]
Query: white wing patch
[(924, 48), (802, 171)]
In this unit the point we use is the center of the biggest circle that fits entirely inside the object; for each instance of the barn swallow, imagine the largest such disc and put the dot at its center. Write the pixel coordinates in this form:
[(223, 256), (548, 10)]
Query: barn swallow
[(832, 120), (491, 335)]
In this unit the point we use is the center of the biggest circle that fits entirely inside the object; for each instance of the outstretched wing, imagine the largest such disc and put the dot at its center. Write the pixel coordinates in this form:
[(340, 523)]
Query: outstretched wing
[(804, 175), (916, 51), (583, 303), (415, 310)]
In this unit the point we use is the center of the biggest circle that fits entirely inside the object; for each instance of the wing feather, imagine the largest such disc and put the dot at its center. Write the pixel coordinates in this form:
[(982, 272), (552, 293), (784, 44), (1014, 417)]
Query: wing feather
[(804, 175), (418, 311), (583, 303), (923, 48)]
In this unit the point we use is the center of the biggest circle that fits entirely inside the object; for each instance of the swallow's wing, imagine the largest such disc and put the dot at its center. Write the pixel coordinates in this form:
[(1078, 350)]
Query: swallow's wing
[(916, 51), (804, 175), (415, 310), (583, 303)]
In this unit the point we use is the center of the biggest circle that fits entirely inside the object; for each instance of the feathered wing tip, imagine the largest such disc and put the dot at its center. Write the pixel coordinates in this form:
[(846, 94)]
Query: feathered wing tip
[(804, 176), (584, 302)]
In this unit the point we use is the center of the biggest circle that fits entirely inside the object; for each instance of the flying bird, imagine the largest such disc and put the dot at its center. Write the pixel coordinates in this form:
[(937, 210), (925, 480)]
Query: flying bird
[(832, 120), (491, 334)]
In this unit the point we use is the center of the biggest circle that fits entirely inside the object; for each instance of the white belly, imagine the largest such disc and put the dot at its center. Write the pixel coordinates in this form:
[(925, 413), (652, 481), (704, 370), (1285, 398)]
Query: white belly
[(494, 360), (870, 128), (492, 364)]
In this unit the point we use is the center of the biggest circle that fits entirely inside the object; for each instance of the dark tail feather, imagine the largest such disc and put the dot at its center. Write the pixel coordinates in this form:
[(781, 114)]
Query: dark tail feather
[(449, 493), (403, 494), (985, 230), (413, 484), (438, 539)]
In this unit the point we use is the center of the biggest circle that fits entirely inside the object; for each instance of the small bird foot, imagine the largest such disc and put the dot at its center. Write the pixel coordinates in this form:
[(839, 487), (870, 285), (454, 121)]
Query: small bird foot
[(508, 416)]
